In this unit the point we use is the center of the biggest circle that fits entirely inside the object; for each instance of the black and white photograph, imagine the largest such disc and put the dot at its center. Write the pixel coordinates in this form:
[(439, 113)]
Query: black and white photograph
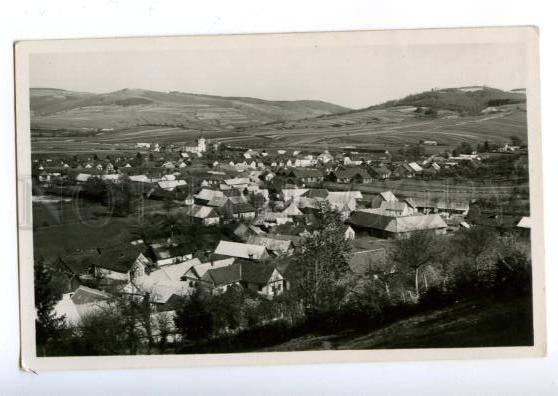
[(292, 197)]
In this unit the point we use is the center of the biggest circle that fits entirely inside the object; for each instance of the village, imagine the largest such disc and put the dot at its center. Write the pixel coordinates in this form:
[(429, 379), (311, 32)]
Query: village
[(269, 202)]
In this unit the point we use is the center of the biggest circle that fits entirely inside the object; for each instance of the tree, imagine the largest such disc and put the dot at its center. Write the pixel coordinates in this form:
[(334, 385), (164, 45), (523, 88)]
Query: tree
[(47, 324), (194, 319), (516, 141), (95, 189), (321, 263), (473, 243), (121, 198), (414, 252)]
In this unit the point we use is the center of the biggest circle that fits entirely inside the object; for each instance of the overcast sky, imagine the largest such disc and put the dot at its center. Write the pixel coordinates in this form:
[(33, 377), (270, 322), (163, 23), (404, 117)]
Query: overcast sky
[(355, 77)]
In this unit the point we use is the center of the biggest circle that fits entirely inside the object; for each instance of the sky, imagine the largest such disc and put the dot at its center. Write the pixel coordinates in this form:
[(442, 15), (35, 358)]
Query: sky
[(352, 76)]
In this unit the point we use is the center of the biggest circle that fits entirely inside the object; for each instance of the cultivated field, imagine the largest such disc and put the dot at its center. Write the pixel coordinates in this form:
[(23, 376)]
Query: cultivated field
[(396, 127)]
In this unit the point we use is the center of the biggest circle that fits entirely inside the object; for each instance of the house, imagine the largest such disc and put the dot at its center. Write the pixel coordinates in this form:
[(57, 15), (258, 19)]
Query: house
[(276, 246), (304, 162), (316, 193), (296, 176), (351, 175), (241, 250), (206, 195), (448, 207), (165, 282), (238, 211), (525, 222), (325, 157), (140, 178), (270, 219), (288, 194), (380, 172), (195, 273), (344, 200), (170, 273), (349, 233), (385, 226), (83, 177), (385, 196), (292, 210), (164, 253), (171, 185), (80, 303), (395, 208), (407, 169), (244, 231), (205, 215), (121, 263), (262, 278)]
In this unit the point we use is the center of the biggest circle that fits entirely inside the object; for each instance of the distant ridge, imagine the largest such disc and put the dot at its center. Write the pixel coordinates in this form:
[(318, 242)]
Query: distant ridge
[(54, 108), (469, 100)]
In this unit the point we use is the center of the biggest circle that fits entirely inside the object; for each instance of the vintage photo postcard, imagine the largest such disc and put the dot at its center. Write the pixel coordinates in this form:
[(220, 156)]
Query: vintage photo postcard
[(280, 198)]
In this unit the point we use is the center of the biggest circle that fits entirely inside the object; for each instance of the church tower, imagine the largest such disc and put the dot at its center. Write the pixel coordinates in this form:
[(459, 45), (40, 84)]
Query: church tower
[(201, 144)]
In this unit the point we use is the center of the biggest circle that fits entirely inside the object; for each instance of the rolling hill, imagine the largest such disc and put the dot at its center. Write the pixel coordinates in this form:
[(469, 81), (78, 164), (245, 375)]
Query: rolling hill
[(464, 100), (448, 116), (53, 109), (64, 120)]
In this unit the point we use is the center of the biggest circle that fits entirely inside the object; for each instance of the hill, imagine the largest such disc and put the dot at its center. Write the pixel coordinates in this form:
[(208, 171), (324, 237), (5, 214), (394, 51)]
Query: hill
[(53, 109), (464, 100), (448, 116), (466, 324)]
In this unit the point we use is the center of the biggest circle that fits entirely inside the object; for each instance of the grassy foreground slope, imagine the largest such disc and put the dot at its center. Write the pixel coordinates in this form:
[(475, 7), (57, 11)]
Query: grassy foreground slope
[(476, 323)]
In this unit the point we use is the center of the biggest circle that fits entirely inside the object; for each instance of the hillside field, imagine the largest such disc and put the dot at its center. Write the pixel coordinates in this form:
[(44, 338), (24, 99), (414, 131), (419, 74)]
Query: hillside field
[(467, 324)]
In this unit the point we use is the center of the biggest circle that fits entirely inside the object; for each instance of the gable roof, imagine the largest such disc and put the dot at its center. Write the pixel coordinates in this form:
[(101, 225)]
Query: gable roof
[(173, 272), (350, 173), (388, 196), (245, 271), (525, 222), (199, 270), (273, 244), (87, 295), (441, 203), (369, 219), (118, 258), (201, 212), (241, 250), (292, 210), (223, 275), (258, 273), (316, 193), (207, 194)]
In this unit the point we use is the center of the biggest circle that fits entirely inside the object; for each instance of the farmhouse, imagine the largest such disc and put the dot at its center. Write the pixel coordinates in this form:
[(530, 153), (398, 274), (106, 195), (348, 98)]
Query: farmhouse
[(241, 250), (82, 302), (121, 263), (262, 278), (385, 226), (447, 207), (205, 215), (385, 196), (296, 176), (273, 245), (380, 172), (351, 175)]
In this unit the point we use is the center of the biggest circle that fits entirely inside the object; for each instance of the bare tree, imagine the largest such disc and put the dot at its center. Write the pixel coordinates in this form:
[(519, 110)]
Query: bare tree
[(414, 252)]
